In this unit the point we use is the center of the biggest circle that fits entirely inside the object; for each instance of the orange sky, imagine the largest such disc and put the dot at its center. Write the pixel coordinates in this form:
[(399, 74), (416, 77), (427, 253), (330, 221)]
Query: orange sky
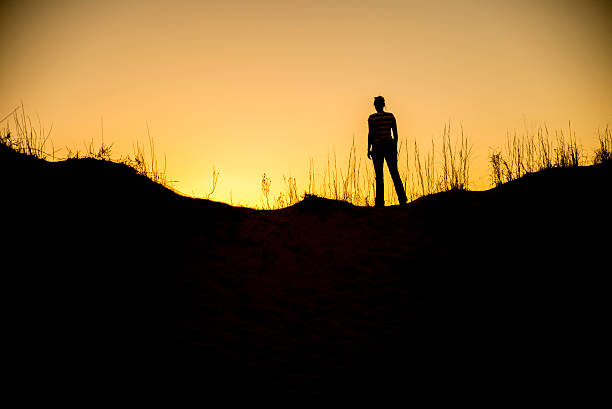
[(264, 86)]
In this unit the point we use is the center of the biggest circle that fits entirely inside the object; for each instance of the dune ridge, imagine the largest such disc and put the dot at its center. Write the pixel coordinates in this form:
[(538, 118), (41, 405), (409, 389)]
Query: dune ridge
[(111, 273)]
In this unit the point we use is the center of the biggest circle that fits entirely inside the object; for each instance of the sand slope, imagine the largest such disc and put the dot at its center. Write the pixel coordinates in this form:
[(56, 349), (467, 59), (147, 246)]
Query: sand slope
[(111, 275)]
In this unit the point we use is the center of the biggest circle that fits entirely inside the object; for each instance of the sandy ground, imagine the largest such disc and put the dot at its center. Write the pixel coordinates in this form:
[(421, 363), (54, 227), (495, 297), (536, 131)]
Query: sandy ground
[(110, 276)]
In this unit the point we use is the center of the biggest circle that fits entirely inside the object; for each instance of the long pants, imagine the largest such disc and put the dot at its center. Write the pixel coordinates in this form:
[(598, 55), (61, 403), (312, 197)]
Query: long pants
[(381, 152)]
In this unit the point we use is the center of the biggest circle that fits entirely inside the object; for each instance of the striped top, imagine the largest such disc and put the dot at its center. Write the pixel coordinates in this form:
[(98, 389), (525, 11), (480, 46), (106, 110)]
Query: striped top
[(380, 124)]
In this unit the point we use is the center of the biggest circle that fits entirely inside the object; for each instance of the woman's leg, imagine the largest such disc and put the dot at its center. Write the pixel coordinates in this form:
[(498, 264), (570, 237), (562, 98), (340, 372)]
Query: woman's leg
[(391, 157), (378, 158)]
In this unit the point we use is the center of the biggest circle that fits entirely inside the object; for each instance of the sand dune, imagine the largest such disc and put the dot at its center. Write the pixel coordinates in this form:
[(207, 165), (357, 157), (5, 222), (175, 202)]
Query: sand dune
[(110, 275)]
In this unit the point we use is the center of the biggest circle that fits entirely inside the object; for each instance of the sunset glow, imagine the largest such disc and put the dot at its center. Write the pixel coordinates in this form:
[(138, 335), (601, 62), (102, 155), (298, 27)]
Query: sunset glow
[(254, 87)]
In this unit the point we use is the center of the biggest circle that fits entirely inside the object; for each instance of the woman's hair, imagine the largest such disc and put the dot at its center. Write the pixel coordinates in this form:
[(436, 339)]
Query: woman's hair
[(379, 101)]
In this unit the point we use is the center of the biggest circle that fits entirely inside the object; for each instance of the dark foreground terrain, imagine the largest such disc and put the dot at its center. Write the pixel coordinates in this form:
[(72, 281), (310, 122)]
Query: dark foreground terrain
[(113, 283)]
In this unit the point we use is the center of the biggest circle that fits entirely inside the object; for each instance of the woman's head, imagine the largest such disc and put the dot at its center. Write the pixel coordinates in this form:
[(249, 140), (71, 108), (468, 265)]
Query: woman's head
[(379, 103)]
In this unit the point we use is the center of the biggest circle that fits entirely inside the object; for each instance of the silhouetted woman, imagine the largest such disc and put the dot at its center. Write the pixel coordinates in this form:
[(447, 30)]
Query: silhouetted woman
[(382, 145)]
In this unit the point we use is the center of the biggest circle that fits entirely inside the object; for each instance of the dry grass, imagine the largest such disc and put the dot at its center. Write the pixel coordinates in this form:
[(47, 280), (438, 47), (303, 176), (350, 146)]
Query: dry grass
[(422, 172), (535, 151), (356, 182), (148, 167), (19, 134), (603, 154), (451, 173)]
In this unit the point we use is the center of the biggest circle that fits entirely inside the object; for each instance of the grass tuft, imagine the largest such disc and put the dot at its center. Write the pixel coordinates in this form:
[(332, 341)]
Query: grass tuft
[(532, 152), (23, 137), (18, 134), (603, 154), (356, 183)]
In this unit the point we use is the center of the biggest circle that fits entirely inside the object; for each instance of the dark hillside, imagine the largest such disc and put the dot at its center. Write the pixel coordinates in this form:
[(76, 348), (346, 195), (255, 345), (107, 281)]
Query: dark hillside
[(111, 275)]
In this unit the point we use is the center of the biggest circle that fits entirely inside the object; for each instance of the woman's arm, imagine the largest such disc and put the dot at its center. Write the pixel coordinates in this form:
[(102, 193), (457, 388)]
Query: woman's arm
[(394, 129), (369, 138)]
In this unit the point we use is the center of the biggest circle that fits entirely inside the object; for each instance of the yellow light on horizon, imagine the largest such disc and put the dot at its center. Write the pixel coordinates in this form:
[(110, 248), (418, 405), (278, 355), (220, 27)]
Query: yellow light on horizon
[(252, 88)]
